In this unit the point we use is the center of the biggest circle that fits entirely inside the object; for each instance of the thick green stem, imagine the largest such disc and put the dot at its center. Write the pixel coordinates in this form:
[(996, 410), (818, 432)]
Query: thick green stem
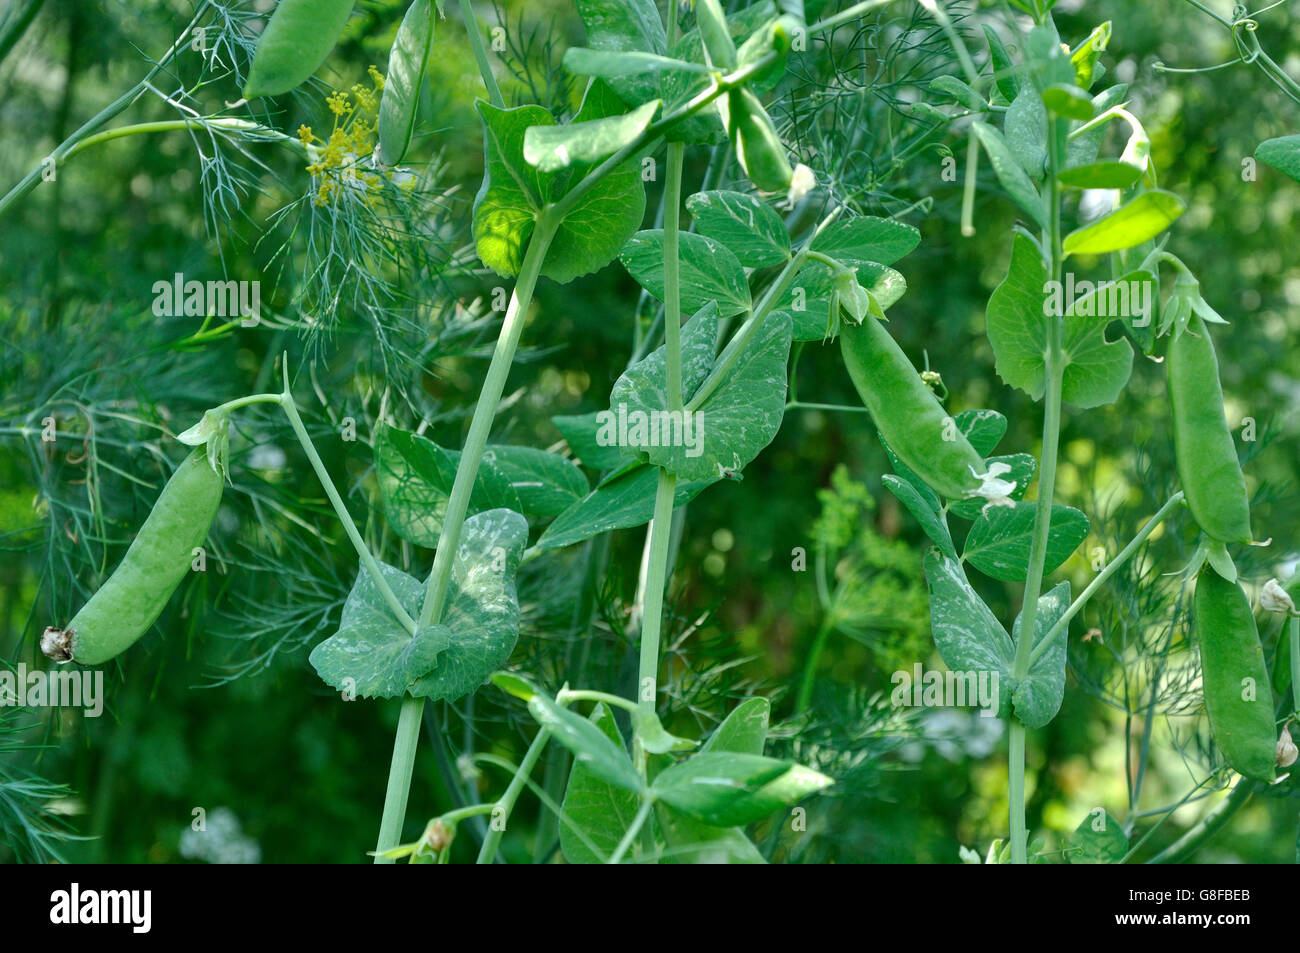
[(1016, 790), (506, 803), (633, 829), (480, 54), (672, 274), (399, 777), (1207, 826)]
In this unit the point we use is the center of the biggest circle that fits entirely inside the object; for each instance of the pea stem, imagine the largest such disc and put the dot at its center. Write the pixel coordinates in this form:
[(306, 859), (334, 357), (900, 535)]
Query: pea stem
[(349, 527), (480, 54), (1295, 661), (506, 803), (399, 776), (1209, 825), (1111, 568), (633, 829), (567, 696)]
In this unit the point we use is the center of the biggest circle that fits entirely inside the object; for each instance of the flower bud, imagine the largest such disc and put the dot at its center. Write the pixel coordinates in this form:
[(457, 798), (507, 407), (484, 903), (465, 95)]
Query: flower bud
[(1286, 750), (1273, 598)]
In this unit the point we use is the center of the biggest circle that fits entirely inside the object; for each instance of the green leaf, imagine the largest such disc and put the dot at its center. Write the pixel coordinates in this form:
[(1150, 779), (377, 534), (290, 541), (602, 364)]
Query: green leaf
[(614, 65), (729, 790), (966, 632), (551, 148), (514, 192), (1100, 175), (867, 238), (621, 503), (372, 655), (296, 41), (1145, 217), (1025, 128), (983, 428), (747, 226), (546, 484), (482, 608), (407, 62), (592, 748), (708, 271), (924, 514), (580, 432), (1009, 172), (903, 470), (1007, 75), (515, 685), (601, 811), (1023, 467), (1037, 698), (1099, 839), (1096, 370), (654, 737), (1068, 100), (643, 386), (415, 477), (738, 419), (621, 26), (999, 541), (958, 91), (744, 731), (1083, 148), (1087, 54), (1282, 154)]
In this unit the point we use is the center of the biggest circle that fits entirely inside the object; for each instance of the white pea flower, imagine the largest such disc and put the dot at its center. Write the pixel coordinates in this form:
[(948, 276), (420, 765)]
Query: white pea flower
[(993, 488), (1273, 598), (1286, 750), (801, 183)]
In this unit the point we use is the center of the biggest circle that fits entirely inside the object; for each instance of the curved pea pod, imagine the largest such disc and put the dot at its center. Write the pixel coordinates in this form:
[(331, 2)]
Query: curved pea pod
[(908, 415), (1207, 458), (297, 40), (155, 563), (714, 33), (758, 147), (1234, 677)]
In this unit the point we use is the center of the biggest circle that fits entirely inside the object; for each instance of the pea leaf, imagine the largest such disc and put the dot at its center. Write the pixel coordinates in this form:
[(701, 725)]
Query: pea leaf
[(1087, 54), (1083, 149), (621, 26), (643, 386), (592, 748), (1037, 698), (514, 192), (1282, 154), (1009, 173), (958, 91), (581, 432), (1099, 839), (551, 148), (913, 480), (982, 428), (296, 41), (415, 478), (930, 521), (725, 789), (738, 419), (1007, 76), (1096, 370), (372, 655), (621, 503), (407, 62), (607, 65), (998, 542), (546, 484), (1145, 217), (597, 814), (1100, 175), (867, 239), (808, 298), (966, 632), (1068, 100), (708, 271), (688, 840), (1023, 467), (747, 226), (1025, 128), (482, 608)]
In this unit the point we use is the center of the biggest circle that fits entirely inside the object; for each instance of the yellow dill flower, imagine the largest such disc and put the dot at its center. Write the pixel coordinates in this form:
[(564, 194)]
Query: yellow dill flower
[(376, 77), (305, 135), (338, 103)]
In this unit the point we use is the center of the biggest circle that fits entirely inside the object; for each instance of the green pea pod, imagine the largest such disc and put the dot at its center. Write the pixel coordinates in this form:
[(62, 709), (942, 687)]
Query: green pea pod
[(296, 41), (908, 415), (1207, 458), (1234, 677), (155, 563), (760, 150), (714, 33)]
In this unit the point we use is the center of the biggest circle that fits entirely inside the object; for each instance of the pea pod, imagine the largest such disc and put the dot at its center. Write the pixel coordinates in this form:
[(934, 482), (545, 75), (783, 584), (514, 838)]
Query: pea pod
[(908, 415), (1207, 458), (714, 33), (297, 40), (155, 563), (1234, 677), (758, 147)]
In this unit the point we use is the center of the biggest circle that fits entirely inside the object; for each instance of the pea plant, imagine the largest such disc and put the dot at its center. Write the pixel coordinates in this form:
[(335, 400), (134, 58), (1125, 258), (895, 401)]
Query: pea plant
[(784, 261)]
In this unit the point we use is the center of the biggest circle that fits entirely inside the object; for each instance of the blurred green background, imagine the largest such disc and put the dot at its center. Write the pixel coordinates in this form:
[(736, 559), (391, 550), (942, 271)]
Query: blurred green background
[(217, 709)]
